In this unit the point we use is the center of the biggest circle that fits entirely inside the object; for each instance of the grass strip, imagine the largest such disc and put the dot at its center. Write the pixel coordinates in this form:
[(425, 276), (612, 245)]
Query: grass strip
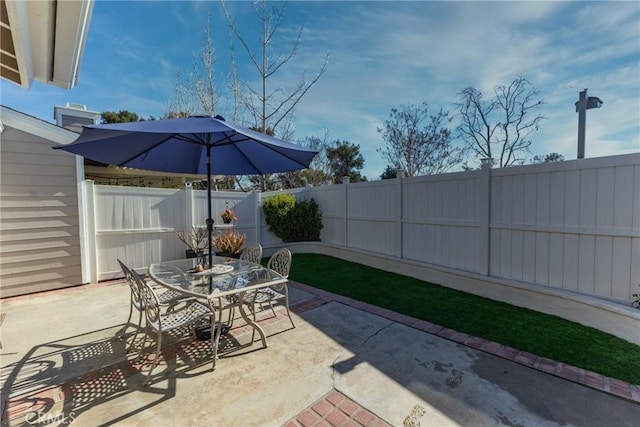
[(527, 330)]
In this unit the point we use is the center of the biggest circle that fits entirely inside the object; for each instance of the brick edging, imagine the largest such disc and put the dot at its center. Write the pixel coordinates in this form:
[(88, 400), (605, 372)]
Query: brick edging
[(574, 374), (335, 409)]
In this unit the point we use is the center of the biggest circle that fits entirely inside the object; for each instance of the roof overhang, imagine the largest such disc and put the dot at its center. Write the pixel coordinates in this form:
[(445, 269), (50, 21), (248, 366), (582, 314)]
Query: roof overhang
[(43, 40), (34, 126)]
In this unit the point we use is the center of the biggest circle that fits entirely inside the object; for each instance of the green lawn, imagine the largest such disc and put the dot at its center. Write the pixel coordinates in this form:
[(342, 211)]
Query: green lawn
[(521, 328)]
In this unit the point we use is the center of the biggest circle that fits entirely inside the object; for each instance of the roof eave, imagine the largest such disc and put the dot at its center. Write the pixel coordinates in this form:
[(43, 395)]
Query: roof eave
[(71, 30), (49, 39)]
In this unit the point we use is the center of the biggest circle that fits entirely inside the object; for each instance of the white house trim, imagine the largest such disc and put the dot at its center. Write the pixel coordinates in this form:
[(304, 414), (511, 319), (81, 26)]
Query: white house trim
[(45, 41), (26, 123)]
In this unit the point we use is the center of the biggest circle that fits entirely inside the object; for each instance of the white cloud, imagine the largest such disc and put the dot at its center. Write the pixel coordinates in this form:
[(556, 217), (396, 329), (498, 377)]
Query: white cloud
[(382, 55)]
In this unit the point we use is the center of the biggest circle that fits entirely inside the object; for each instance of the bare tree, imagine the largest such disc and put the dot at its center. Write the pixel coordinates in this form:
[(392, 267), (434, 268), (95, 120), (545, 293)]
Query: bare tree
[(499, 128), (268, 111), (319, 171), (418, 143), (198, 94), (270, 108), (320, 162)]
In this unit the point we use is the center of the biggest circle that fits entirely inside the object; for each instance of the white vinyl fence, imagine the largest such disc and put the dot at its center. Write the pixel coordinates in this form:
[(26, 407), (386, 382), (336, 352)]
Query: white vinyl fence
[(573, 225)]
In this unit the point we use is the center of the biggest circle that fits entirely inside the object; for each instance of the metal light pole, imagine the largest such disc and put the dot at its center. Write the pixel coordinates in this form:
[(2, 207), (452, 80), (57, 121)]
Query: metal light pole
[(584, 103)]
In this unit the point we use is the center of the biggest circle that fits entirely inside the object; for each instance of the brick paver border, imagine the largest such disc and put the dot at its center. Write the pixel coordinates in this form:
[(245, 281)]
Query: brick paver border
[(574, 374), (335, 409)]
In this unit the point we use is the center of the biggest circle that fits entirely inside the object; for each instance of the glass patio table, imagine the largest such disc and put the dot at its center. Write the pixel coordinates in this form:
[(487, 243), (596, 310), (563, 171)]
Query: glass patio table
[(228, 284)]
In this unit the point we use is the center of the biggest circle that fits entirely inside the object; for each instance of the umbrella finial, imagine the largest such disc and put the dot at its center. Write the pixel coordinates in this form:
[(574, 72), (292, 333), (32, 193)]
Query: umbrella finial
[(219, 117)]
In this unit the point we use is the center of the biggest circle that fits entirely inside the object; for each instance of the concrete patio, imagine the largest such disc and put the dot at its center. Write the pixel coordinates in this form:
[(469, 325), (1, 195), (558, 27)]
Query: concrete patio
[(345, 363)]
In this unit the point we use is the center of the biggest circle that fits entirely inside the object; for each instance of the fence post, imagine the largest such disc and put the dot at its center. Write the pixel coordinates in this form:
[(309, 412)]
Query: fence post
[(89, 249), (345, 182), (399, 214), (485, 217), (188, 204), (257, 209)]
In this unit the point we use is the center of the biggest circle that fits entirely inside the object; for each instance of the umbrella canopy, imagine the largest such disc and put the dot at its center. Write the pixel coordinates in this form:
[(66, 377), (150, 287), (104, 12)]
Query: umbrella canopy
[(194, 145), (184, 145)]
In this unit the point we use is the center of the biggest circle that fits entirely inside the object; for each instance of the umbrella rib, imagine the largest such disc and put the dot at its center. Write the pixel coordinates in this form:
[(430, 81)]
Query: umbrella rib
[(162, 141), (228, 141), (269, 147)]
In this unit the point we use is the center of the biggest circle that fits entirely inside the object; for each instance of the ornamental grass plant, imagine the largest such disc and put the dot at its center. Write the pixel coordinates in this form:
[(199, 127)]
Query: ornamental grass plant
[(229, 243)]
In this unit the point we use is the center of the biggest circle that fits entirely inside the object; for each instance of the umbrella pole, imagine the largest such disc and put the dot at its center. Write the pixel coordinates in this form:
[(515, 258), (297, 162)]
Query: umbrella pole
[(209, 219)]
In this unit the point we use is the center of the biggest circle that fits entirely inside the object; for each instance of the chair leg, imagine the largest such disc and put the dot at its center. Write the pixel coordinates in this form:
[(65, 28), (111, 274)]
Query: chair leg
[(232, 315), (286, 304), (215, 337), (273, 310), (133, 339), (252, 307), (143, 345), (126, 324)]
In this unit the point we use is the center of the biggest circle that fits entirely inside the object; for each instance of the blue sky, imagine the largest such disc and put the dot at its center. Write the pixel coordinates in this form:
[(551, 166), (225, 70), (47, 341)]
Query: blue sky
[(382, 55)]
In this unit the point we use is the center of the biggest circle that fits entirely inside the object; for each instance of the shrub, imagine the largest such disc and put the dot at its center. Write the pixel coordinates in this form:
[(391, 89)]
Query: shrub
[(291, 220), (276, 208)]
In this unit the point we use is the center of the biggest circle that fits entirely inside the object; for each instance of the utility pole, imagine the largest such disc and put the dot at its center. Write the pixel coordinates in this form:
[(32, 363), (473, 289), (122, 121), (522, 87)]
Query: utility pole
[(582, 121), (584, 103)]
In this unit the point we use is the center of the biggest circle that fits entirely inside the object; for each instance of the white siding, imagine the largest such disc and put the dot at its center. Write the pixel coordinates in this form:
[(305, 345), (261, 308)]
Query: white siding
[(39, 242)]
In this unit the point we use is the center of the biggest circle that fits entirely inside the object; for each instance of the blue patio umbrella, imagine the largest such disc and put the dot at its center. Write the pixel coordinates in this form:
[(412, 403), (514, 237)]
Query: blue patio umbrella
[(194, 145)]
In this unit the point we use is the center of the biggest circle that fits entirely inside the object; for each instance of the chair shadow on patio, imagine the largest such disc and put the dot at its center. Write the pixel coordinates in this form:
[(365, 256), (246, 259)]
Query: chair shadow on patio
[(57, 381)]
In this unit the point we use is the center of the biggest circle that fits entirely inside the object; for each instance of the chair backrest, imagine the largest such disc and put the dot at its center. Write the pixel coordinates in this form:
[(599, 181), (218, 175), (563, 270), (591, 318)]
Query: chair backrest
[(252, 253), (133, 285), (280, 262), (177, 273), (149, 300)]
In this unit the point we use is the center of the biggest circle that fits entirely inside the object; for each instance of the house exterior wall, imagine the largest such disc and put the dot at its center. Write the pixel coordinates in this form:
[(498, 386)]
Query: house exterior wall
[(39, 225)]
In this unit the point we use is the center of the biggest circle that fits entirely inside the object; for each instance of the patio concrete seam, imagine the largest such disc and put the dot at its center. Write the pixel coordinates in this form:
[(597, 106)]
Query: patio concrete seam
[(571, 373)]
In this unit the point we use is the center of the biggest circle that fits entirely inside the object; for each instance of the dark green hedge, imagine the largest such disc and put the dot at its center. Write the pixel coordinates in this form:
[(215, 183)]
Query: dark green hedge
[(291, 220)]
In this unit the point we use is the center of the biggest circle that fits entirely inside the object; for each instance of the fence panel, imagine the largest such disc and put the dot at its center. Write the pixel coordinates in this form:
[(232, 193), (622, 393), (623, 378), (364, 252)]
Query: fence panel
[(441, 222), (571, 225), (373, 217), (241, 203), (332, 202), (578, 226), (136, 225), (133, 208)]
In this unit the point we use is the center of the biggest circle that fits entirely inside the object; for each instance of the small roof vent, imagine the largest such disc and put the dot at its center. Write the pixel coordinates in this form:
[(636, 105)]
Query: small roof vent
[(73, 116)]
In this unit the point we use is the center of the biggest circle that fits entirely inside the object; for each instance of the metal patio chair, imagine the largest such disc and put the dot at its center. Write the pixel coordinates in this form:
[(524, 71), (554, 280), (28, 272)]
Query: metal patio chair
[(168, 297), (159, 321), (280, 262), (252, 253)]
